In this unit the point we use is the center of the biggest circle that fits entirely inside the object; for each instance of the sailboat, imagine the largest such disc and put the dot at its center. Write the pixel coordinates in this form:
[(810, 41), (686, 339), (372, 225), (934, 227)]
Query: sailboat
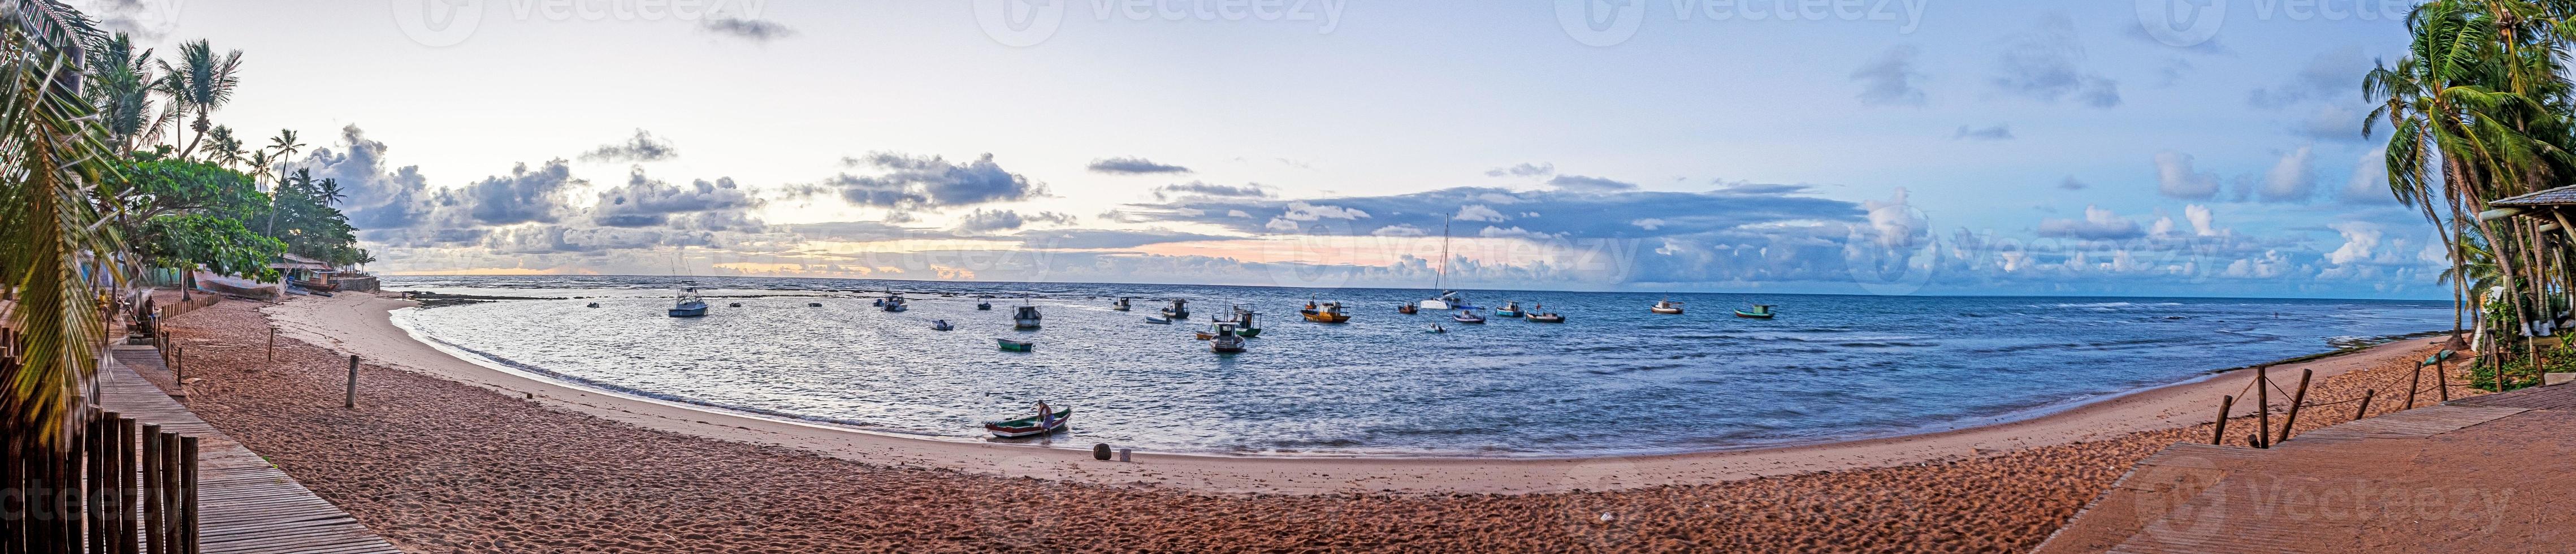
[(1448, 299), (1025, 317), (689, 304)]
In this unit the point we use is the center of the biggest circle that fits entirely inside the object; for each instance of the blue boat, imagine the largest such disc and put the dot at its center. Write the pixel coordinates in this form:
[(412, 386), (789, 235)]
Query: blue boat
[(1510, 309), (689, 305)]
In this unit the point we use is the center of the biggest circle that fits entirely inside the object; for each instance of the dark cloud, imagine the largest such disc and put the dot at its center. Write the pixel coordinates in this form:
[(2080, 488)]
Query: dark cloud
[(646, 202), (2047, 64), (909, 182), (754, 30), (1556, 213), (863, 231), (1997, 132), (643, 147), (1581, 183), (1201, 188), (1890, 79), (1134, 166), (2071, 184), (379, 197), (2176, 178), (2332, 76), (987, 221), (523, 196), (1541, 169)]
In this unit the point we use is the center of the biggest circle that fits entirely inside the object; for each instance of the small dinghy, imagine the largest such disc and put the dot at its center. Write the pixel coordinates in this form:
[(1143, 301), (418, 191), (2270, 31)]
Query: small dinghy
[(1545, 318), (594, 304), (1408, 309), (941, 325), (1666, 306), (1759, 311), (1435, 328), (1468, 317), (1510, 309), (734, 305), (1157, 320), (1045, 422), (1009, 345), (986, 305), (813, 304), (1121, 305)]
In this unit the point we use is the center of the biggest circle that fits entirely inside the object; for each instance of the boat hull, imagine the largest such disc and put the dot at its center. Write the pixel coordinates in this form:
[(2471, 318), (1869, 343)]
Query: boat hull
[(689, 311), (1247, 333), (1752, 316), (1008, 345), (1024, 324), (1434, 305), (1319, 317), (1666, 311), (1031, 426), (1546, 319)]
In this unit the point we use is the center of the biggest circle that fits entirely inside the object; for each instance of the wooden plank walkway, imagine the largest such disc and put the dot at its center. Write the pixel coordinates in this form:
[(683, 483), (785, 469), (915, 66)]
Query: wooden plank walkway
[(246, 504)]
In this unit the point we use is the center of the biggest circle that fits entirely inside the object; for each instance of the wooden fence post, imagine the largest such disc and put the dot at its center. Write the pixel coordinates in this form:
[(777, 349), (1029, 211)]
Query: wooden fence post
[(2413, 383), (170, 508), (2364, 410), (2442, 371), (2220, 436), (153, 540), (2296, 399), (272, 343), (2263, 396), (188, 495), (128, 498), (352, 402)]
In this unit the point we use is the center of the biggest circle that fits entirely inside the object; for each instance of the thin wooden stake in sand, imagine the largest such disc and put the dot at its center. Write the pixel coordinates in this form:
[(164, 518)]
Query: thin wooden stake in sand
[(2296, 399), (352, 402), (2219, 437)]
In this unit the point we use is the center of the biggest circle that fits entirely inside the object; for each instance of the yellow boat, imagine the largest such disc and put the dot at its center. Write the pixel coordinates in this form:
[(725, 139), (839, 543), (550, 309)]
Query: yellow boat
[(1326, 312)]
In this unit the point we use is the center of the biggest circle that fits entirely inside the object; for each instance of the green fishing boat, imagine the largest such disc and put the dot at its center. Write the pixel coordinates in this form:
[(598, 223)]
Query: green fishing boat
[(1009, 345), (1759, 311)]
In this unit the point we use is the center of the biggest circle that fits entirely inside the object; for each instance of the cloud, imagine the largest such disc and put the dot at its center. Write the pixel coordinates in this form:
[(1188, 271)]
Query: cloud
[(2360, 241), (523, 196), (2333, 122), (1894, 223), (754, 30), (1541, 169), (380, 196), (1201, 188), (1579, 183), (908, 182), (1492, 232), (2200, 220), (1301, 211), (1890, 79), (986, 221), (2369, 182), (2098, 224), (1399, 230), (2332, 76), (2293, 179), (1479, 212), (1997, 132), (2071, 184), (642, 148), (1133, 166), (2176, 179), (1649, 224), (2047, 64), (1105, 238), (645, 202)]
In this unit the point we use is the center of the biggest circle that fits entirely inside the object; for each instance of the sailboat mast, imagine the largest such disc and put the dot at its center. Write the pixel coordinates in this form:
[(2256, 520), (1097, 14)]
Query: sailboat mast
[(1442, 281)]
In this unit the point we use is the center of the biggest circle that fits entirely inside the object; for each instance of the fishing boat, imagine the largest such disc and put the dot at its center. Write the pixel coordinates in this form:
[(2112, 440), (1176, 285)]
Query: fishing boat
[(1157, 320), (813, 304), (941, 325), (1408, 309), (689, 304), (1043, 423), (1225, 341), (1243, 325), (986, 305), (1009, 345), (895, 304), (1025, 317), (594, 304), (1510, 309), (734, 305), (1759, 311), (1120, 305), (1468, 317), (1550, 317), (1179, 310), (1326, 312), (1667, 306)]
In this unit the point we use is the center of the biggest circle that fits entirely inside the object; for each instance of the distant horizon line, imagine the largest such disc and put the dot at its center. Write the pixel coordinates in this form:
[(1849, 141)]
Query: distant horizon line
[(1933, 295)]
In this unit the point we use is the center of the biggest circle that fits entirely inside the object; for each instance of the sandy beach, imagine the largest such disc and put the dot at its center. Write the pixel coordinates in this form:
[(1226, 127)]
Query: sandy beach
[(449, 455)]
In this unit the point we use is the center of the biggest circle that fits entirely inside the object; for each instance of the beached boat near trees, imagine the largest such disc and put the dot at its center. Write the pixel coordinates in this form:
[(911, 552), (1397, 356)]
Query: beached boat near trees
[(1046, 421)]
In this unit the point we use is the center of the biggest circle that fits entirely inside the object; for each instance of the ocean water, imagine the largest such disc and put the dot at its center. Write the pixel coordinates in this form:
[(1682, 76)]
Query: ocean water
[(1614, 379)]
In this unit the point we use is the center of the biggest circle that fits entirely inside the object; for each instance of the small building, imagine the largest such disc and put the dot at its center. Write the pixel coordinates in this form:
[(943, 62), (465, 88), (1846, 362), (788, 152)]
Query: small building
[(311, 274)]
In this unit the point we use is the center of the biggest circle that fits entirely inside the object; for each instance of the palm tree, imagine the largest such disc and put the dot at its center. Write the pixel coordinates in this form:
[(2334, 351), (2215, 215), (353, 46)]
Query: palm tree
[(202, 82), (286, 146), (222, 148), (121, 86), (54, 149)]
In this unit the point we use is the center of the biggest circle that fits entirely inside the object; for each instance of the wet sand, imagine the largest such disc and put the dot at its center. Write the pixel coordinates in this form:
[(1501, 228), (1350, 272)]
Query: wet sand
[(449, 455)]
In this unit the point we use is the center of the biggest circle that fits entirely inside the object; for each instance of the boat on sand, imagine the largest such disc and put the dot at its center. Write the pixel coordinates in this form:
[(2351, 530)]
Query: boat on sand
[(1045, 422)]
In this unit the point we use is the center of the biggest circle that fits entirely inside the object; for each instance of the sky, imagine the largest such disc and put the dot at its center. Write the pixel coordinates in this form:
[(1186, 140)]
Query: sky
[(2126, 148)]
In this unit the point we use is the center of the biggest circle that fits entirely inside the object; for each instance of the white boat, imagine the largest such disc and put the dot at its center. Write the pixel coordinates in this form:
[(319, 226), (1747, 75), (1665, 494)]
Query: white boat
[(1666, 306), (1448, 299), (689, 304), (1025, 317), (1157, 320)]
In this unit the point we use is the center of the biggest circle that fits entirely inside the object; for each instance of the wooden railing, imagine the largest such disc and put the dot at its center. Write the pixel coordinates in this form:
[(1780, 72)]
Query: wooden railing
[(114, 485)]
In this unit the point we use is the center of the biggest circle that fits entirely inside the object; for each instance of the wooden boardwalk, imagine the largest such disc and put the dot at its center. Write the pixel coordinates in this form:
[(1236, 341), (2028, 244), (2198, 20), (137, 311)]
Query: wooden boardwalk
[(246, 504), (2486, 474)]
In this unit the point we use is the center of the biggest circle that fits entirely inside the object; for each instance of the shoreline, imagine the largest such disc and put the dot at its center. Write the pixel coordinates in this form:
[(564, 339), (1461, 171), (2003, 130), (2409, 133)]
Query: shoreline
[(361, 324)]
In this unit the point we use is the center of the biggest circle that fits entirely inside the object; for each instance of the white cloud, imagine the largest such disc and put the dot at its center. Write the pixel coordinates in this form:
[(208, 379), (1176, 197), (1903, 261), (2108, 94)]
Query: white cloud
[(1479, 212), (2369, 183), (2293, 179), (2360, 241), (2175, 178), (2200, 220), (1649, 224), (1301, 211)]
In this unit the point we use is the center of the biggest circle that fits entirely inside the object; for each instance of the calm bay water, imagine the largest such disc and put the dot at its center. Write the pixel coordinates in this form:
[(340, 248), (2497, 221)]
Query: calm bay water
[(1613, 379)]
